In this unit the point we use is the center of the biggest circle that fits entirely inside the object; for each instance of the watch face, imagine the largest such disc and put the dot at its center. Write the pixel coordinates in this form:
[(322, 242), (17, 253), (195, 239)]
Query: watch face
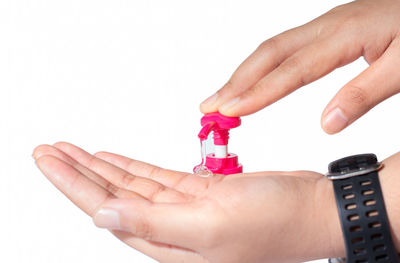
[(353, 163)]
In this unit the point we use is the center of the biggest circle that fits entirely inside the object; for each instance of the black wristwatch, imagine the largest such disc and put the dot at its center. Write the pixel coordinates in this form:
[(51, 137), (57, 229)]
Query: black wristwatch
[(362, 212)]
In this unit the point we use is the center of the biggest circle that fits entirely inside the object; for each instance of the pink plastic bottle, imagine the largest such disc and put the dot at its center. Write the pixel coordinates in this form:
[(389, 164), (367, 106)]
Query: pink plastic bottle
[(220, 162)]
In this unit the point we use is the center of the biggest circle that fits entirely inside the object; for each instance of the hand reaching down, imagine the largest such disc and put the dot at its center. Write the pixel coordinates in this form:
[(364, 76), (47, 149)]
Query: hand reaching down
[(299, 56), (180, 217)]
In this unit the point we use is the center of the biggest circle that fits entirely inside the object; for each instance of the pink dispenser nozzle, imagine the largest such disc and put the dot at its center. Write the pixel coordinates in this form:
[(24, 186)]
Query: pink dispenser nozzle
[(220, 161)]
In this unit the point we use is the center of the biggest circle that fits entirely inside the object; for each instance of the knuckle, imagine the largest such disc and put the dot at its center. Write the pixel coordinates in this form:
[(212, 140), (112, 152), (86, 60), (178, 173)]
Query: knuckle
[(158, 188), (349, 23), (357, 95), (154, 171), (228, 84), (269, 44), (292, 65), (110, 187), (349, 20), (253, 93), (127, 179), (371, 52), (371, 55), (143, 229), (338, 9), (296, 69), (92, 162), (226, 87)]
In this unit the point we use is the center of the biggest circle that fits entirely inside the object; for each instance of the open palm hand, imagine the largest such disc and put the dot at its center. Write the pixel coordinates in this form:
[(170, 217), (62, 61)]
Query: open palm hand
[(180, 217)]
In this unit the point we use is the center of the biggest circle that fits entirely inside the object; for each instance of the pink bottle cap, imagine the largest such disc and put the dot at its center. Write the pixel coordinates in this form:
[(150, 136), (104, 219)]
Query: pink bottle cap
[(220, 125)]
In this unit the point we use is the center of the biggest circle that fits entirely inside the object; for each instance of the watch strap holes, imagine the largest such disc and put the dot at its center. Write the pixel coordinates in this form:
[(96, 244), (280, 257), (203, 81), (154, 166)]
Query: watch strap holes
[(377, 236), (366, 182), (362, 212), (375, 224), (349, 196), (359, 251), (350, 206), (379, 247), (357, 240), (372, 213), (347, 186), (380, 258), (355, 228), (368, 192), (370, 202), (353, 217)]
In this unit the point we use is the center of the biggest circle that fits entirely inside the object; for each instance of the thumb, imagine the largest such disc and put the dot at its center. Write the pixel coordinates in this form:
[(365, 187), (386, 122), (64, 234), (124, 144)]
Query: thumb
[(175, 224), (377, 83)]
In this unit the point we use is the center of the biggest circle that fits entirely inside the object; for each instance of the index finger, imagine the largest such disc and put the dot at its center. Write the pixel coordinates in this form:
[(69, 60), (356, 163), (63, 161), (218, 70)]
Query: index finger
[(83, 192), (269, 55), (185, 182), (305, 66)]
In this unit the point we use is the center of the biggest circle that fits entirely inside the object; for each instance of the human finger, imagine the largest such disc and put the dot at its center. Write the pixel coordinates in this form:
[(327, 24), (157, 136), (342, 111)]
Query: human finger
[(44, 149), (377, 83), (305, 66), (84, 193), (184, 182), (262, 61), (146, 187), (179, 224)]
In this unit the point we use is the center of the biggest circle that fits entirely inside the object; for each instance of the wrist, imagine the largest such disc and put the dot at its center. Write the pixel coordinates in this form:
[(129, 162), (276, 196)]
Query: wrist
[(318, 228), (389, 177), (328, 228)]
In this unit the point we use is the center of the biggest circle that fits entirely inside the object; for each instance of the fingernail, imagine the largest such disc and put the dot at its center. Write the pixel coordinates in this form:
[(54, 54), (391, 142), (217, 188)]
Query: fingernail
[(335, 121), (229, 104), (34, 154), (210, 100), (107, 218)]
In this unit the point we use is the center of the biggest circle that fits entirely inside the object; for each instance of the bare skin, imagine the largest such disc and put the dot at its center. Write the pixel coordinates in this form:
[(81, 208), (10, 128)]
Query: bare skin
[(290, 60), (179, 217)]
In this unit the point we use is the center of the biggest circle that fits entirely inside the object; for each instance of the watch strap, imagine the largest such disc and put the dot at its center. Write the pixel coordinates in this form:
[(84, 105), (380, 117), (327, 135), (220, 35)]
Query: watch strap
[(364, 219)]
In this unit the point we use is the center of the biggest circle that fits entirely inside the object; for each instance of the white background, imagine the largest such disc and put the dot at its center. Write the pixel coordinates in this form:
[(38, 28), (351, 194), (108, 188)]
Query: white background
[(128, 76)]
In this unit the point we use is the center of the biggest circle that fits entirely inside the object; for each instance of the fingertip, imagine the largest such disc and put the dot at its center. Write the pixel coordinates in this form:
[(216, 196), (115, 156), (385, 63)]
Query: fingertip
[(334, 121), (44, 162), (204, 109), (107, 218), (208, 104), (208, 109), (39, 161), (39, 150), (327, 130)]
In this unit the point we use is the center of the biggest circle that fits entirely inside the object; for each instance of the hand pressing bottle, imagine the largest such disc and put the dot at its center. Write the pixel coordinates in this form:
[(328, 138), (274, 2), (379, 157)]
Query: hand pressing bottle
[(180, 217), (290, 60)]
